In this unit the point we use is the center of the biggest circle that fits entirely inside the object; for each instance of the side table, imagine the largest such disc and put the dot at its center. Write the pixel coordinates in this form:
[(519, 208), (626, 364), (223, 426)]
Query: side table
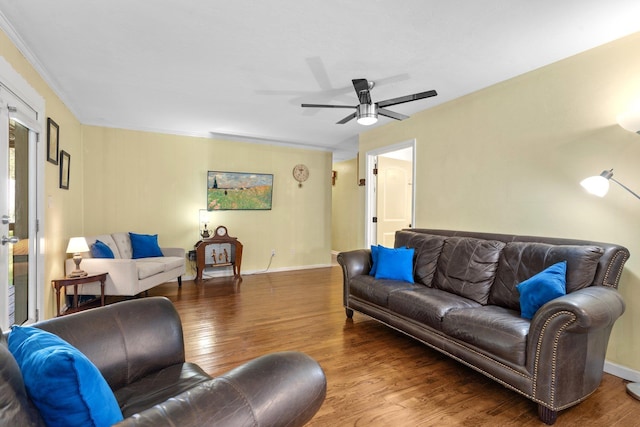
[(233, 259), (75, 281)]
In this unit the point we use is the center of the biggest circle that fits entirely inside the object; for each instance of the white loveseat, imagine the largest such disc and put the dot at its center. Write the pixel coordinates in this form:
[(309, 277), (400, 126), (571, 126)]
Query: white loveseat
[(128, 276)]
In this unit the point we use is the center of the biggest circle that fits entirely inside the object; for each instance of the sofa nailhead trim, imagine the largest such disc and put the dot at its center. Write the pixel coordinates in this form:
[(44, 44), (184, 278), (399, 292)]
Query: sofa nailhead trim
[(572, 319), (606, 275)]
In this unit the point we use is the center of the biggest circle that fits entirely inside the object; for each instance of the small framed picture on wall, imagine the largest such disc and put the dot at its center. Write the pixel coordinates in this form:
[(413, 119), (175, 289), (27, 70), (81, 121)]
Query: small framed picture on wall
[(53, 141), (65, 160)]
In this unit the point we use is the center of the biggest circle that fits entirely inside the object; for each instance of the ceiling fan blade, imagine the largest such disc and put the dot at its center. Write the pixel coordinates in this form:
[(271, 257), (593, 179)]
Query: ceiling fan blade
[(362, 90), (360, 84), (326, 106), (392, 114), (407, 98), (346, 119)]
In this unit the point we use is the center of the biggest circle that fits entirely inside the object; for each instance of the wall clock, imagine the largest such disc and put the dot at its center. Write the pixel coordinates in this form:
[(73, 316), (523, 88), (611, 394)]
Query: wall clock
[(300, 173)]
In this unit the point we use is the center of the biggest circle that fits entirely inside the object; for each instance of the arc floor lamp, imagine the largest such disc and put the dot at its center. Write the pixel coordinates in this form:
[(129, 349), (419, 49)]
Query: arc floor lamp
[(599, 186)]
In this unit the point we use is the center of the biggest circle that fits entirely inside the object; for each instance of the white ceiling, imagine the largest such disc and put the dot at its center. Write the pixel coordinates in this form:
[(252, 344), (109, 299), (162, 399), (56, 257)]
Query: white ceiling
[(242, 68)]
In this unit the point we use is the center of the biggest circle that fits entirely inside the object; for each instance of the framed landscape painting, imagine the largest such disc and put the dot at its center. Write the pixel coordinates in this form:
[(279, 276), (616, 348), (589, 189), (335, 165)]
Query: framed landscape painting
[(239, 191)]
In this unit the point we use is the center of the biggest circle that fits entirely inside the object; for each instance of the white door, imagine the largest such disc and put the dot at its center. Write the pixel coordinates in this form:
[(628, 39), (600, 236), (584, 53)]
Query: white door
[(394, 198), (20, 177), (389, 201)]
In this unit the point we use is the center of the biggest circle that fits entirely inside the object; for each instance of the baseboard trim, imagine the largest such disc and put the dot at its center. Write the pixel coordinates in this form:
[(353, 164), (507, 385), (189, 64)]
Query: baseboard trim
[(621, 371), (224, 272), (299, 267)]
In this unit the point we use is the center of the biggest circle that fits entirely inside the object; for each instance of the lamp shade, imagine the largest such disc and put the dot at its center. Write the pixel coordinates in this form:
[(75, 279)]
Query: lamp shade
[(597, 185), (77, 245), (630, 121)]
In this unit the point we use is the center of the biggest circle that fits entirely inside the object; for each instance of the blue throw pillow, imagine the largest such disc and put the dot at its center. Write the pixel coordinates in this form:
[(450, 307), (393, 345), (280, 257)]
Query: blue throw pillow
[(396, 264), (145, 245), (65, 386), (374, 260), (536, 291), (101, 250)]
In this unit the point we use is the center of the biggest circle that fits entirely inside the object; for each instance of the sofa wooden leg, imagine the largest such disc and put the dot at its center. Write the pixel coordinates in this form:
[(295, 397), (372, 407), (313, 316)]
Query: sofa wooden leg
[(349, 313), (179, 281), (546, 415)]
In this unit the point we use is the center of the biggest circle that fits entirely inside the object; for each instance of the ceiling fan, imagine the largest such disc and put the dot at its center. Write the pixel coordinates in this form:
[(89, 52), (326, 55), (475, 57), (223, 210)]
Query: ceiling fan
[(367, 111)]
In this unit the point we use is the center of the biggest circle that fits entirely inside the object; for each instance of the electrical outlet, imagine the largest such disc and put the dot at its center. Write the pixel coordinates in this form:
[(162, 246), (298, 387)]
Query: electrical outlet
[(273, 252)]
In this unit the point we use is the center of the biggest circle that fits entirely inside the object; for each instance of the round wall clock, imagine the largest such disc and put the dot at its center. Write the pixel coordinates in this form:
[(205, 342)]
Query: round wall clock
[(300, 174), (221, 231)]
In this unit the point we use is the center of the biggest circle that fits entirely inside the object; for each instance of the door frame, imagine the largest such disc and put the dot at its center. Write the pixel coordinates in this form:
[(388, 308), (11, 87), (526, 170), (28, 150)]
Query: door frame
[(370, 229), (18, 90)]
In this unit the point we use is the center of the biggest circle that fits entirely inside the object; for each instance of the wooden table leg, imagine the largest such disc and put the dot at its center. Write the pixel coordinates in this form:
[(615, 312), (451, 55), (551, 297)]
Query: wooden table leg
[(75, 296), (102, 291), (57, 297)]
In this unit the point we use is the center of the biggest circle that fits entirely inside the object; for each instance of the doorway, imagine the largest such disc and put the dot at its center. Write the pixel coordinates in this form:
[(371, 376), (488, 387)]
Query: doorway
[(21, 184), (391, 193)]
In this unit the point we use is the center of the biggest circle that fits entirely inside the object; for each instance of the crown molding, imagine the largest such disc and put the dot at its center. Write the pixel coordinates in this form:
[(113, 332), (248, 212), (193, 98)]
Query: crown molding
[(32, 59)]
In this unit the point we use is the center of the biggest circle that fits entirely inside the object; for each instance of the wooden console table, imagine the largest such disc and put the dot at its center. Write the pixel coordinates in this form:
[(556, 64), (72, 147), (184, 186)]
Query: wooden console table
[(75, 281), (222, 258)]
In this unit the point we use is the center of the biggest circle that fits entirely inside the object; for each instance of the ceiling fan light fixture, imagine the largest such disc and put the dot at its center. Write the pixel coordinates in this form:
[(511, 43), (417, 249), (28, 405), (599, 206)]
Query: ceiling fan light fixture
[(367, 114)]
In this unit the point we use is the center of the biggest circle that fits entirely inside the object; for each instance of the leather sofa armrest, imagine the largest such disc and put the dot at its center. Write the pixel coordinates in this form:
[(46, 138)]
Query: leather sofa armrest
[(355, 263), (594, 307), (177, 252), (568, 339), (284, 388)]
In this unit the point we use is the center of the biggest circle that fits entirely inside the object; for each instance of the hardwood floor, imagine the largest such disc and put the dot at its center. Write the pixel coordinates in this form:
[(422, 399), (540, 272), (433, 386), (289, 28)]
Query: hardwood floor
[(376, 376)]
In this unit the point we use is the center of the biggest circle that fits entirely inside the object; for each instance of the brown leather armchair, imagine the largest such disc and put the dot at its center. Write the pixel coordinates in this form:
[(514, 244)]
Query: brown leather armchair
[(138, 347)]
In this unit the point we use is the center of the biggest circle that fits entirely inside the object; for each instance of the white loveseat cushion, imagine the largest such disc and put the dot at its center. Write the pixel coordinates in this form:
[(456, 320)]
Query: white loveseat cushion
[(124, 245), (148, 269), (168, 262)]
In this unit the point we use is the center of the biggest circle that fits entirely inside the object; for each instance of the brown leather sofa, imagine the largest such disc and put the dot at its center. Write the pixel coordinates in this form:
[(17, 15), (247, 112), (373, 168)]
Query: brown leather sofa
[(464, 303), (138, 347)]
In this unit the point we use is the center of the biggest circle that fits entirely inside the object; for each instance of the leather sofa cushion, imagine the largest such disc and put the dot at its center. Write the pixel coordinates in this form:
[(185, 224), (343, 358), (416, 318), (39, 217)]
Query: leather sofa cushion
[(427, 251), (522, 260), (16, 409), (158, 387), (427, 305), (467, 267), (498, 331), (376, 291)]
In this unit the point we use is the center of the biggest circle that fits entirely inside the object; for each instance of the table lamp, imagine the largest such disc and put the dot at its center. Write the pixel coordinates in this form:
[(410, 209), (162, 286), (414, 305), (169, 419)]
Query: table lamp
[(75, 247)]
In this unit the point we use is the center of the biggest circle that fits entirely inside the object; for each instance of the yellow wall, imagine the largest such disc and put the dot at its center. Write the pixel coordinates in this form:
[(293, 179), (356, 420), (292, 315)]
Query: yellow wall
[(155, 183), (63, 208), (347, 197), (509, 159)]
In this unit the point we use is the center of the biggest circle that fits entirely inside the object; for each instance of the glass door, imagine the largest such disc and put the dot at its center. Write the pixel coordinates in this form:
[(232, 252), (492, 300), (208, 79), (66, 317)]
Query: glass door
[(18, 213), (19, 181)]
